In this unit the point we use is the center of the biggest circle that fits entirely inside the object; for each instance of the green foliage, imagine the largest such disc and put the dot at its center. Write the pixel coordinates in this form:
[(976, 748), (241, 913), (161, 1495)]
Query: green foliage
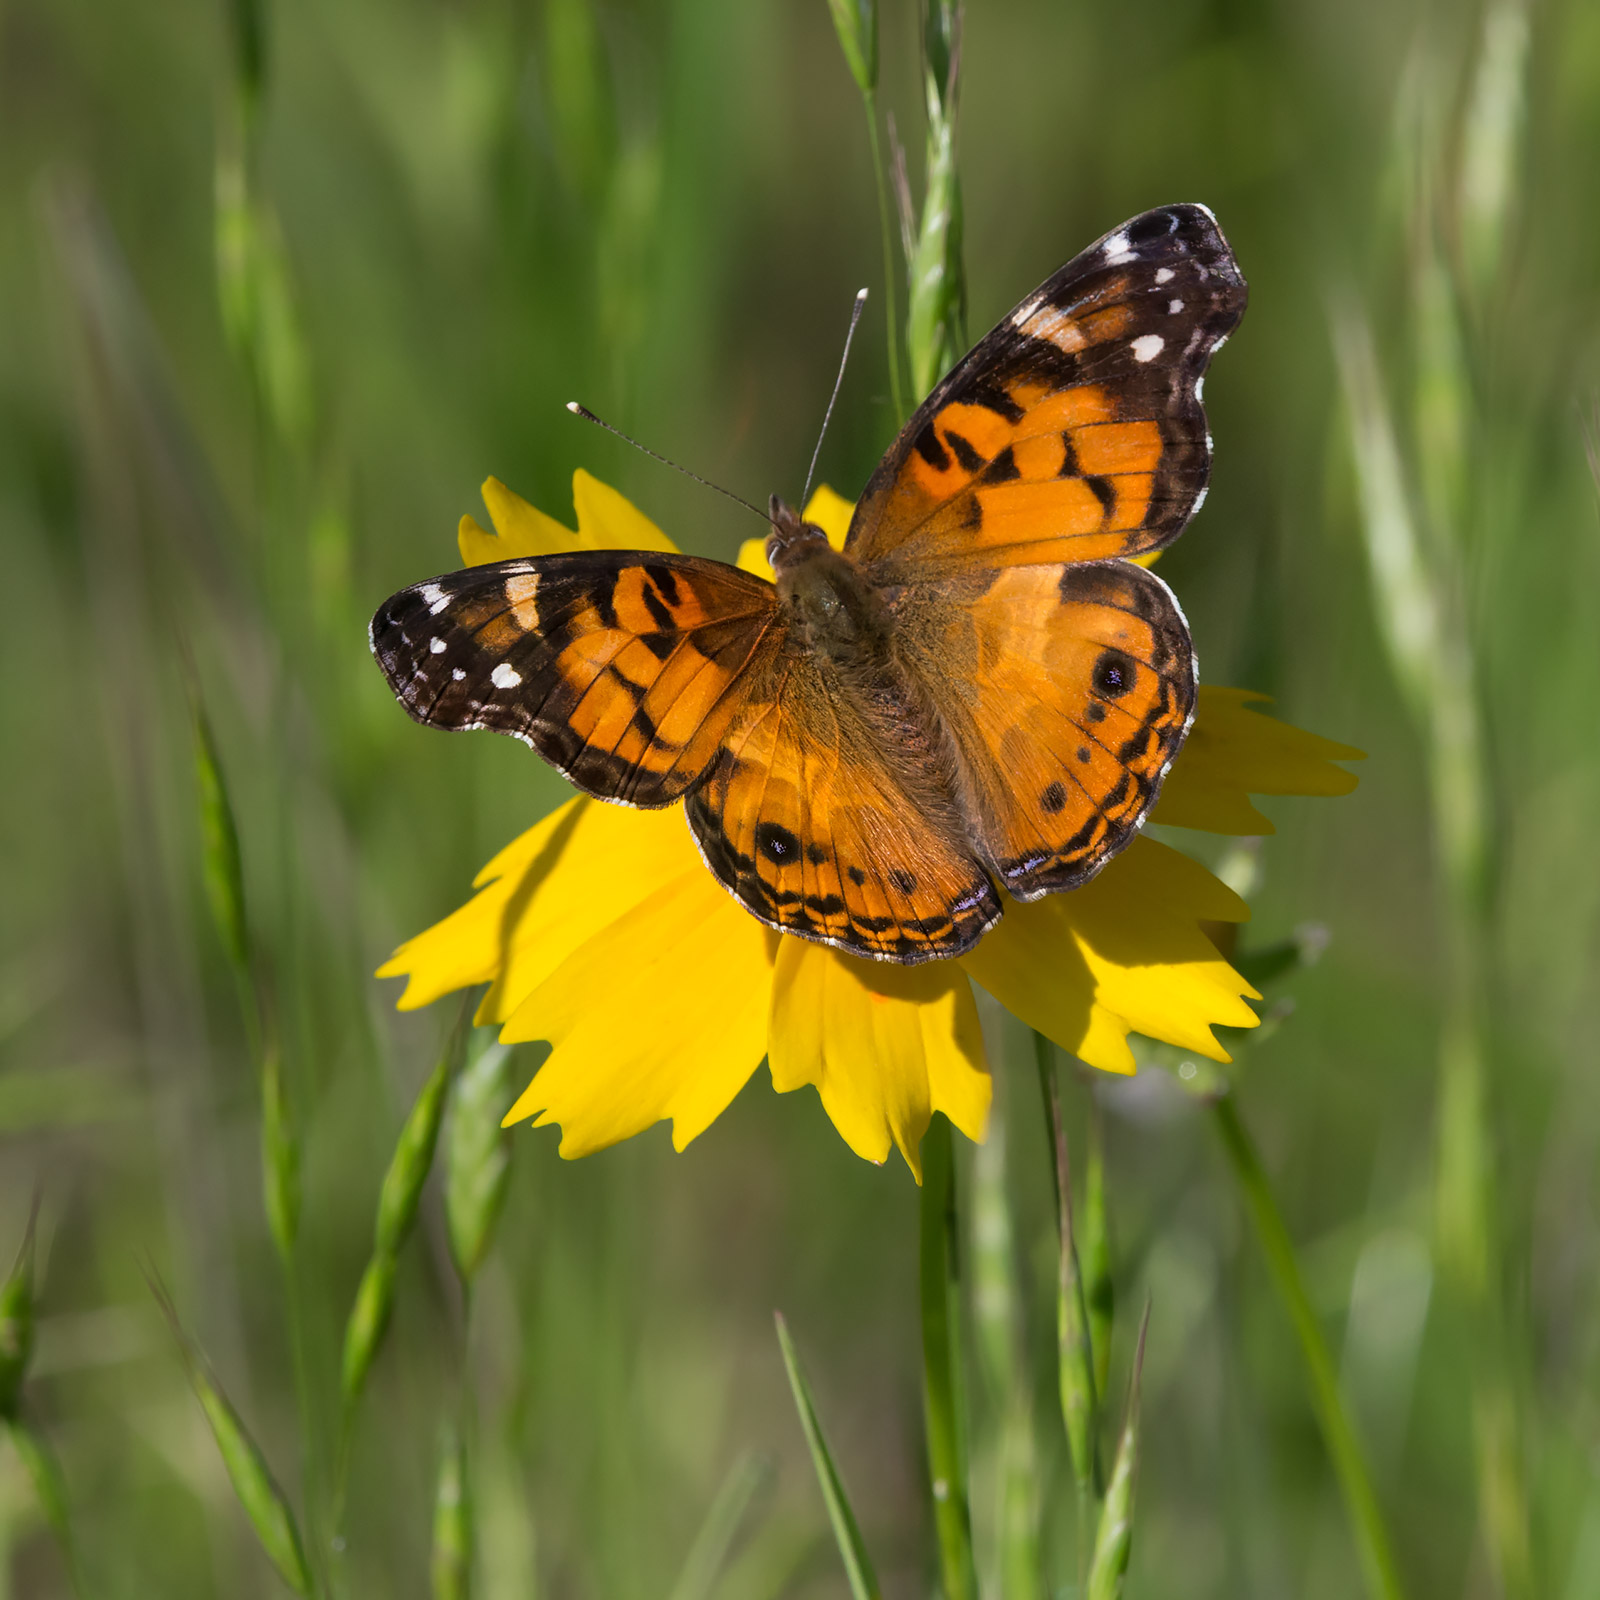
[(257, 1491), (280, 1157), (279, 286), (219, 845), (452, 1521), (856, 23), (398, 1199), (1075, 1359), (477, 1164), (846, 1530), (936, 315), (1113, 1540), (17, 1323), (943, 1386)]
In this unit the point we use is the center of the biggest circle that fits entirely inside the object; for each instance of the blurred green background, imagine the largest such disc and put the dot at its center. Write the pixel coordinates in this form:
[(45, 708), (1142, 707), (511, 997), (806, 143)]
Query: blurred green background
[(437, 223)]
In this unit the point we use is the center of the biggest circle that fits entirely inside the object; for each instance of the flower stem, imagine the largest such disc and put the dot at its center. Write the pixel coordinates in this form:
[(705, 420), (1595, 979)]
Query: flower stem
[(1361, 1501), (941, 1364), (890, 315)]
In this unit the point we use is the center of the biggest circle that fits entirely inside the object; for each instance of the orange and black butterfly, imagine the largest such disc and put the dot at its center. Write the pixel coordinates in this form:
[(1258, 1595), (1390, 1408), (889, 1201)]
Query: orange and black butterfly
[(981, 692)]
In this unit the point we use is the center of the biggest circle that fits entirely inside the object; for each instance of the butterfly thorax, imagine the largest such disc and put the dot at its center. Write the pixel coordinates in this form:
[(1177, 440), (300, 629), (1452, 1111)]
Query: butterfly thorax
[(840, 618), (833, 610)]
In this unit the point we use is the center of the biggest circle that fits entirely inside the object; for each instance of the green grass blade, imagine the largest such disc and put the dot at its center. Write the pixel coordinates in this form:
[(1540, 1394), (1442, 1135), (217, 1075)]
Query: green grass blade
[(477, 1156), (280, 1157), (1075, 1355), (997, 1319), (746, 1479), (1361, 1500), (942, 1387), (16, 1319), (1099, 1293), (452, 1521), (398, 1199), (220, 857), (937, 309), (1113, 1540), (44, 1472), (856, 23), (846, 1531), (254, 1486)]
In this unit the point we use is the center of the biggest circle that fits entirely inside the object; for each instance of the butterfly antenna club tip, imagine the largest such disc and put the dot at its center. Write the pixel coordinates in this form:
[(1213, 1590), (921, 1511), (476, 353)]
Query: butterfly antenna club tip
[(588, 416)]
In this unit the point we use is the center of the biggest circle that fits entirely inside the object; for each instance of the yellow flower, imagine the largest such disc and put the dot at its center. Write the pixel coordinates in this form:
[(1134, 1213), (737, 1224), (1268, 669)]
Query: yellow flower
[(601, 931)]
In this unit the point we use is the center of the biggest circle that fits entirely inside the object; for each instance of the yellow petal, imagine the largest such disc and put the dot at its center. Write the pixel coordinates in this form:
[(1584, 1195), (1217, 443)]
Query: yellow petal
[(519, 530), (886, 1046), (829, 510), (752, 557), (661, 1015), (1233, 752), (545, 894), (1122, 954), (608, 520)]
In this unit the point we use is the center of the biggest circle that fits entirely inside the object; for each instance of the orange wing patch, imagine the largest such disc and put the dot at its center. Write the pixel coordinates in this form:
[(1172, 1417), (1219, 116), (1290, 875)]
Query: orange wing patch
[(1087, 689), (807, 821), (623, 672), (1074, 431)]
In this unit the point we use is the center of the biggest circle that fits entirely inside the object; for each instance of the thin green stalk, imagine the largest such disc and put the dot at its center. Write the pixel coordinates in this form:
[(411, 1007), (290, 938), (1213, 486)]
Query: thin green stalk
[(708, 1555), (886, 229), (942, 1390), (39, 1461), (1113, 1539), (997, 1321), (1361, 1501), (1079, 1392), (846, 1530)]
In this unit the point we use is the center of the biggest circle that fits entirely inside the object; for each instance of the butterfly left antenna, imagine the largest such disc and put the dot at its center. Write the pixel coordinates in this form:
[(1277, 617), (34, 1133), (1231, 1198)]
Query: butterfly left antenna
[(600, 422), (838, 383)]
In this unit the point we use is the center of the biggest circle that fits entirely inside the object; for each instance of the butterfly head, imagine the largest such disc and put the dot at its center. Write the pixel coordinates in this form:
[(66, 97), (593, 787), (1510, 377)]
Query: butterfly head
[(792, 540)]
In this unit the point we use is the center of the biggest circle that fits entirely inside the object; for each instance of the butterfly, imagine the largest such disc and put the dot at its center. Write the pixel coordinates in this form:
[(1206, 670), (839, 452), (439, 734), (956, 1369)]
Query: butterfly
[(980, 694)]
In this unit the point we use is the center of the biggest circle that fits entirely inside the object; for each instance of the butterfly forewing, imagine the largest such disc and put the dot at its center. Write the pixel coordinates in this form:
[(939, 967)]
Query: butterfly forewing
[(621, 669), (1074, 431)]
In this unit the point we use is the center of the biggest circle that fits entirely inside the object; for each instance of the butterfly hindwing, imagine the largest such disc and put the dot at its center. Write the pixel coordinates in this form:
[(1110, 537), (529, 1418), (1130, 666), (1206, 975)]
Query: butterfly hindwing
[(1074, 431), (622, 669), (1088, 689), (809, 819)]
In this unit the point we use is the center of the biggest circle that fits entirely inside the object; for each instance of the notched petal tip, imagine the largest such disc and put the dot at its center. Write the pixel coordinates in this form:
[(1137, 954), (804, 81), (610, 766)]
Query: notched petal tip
[(1234, 751)]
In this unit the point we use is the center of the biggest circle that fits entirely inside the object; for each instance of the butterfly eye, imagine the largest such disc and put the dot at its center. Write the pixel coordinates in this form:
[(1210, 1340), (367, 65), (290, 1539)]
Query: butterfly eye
[(1113, 675)]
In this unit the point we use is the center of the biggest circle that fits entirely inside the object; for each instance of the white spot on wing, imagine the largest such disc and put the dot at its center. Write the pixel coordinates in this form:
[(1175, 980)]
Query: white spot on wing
[(436, 598), (438, 646), (1026, 310), (1054, 324), (1199, 386), (505, 676), (1174, 307), (1200, 499), (1117, 248), (1165, 274), (1147, 346), (458, 673)]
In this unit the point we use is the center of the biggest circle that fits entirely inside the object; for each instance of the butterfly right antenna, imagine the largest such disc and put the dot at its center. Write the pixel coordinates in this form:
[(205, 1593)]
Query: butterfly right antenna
[(827, 416)]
